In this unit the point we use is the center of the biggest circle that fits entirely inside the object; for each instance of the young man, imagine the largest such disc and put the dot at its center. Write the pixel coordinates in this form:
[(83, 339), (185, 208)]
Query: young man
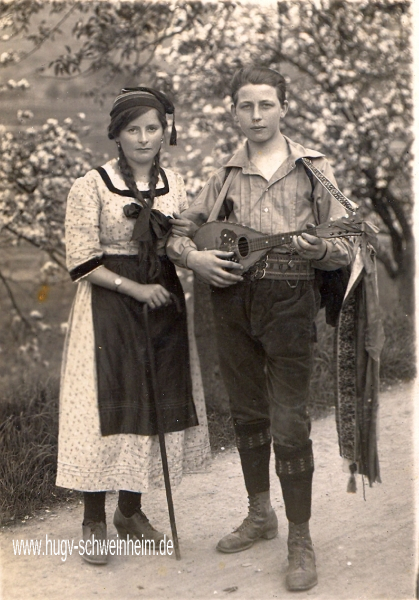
[(265, 327)]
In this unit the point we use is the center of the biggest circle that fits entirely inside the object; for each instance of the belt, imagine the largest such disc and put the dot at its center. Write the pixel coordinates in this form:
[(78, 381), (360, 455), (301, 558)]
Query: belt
[(289, 267)]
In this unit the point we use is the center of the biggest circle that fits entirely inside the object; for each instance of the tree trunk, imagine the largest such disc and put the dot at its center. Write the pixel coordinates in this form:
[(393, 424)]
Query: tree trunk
[(406, 281)]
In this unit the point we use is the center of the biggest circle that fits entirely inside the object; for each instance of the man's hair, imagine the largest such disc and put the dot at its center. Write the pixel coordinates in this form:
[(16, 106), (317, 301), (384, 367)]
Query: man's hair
[(258, 76)]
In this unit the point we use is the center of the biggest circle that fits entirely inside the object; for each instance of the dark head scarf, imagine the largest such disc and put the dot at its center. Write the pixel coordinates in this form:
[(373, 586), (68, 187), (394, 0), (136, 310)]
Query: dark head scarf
[(144, 96)]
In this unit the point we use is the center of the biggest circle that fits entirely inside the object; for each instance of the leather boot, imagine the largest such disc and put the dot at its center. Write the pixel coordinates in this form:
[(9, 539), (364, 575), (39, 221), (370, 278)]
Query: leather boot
[(261, 522), (302, 574), (137, 526), (95, 543)]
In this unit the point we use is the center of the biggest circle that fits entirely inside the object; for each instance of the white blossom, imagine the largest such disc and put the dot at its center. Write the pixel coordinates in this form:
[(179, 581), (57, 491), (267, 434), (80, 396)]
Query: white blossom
[(36, 315)]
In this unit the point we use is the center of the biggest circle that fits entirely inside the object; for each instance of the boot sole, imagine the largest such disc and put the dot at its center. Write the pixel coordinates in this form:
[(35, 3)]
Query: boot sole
[(301, 588), (269, 535), (99, 561), (124, 534)]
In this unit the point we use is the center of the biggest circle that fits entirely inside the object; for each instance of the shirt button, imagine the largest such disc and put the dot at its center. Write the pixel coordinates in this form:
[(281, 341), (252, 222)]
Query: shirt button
[(266, 210)]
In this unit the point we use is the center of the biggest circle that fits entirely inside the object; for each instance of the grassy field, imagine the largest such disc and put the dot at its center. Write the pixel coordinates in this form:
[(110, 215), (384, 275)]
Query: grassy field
[(51, 303)]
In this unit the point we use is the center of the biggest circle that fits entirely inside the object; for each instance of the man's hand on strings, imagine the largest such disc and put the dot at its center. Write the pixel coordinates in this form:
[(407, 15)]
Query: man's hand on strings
[(310, 246)]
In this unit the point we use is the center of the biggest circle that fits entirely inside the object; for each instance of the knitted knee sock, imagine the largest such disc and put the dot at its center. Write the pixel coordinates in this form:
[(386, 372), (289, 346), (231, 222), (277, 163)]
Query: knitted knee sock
[(295, 467), (129, 502), (94, 507), (254, 445), (255, 467)]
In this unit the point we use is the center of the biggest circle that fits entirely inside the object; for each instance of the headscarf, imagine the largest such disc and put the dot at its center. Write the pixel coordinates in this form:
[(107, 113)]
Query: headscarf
[(144, 96)]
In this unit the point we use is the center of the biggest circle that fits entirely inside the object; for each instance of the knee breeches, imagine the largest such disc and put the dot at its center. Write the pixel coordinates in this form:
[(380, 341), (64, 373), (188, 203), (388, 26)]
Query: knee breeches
[(265, 334)]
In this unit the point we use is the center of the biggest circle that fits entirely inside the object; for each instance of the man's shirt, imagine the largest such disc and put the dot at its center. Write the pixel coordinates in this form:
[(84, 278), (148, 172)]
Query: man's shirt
[(285, 203)]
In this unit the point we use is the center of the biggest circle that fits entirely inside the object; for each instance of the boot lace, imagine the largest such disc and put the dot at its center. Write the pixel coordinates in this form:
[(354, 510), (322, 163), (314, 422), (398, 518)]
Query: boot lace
[(249, 520), (298, 551)]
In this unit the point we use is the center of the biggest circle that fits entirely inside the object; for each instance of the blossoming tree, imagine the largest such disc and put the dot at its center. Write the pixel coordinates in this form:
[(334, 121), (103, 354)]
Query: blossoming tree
[(348, 65), (349, 69)]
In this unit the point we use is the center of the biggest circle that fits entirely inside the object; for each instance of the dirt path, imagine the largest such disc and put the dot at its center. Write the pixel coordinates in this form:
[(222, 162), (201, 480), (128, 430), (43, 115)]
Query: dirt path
[(365, 550)]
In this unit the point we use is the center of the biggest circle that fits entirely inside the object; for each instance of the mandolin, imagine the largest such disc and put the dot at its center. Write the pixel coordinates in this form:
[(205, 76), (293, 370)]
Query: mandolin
[(249, 245)]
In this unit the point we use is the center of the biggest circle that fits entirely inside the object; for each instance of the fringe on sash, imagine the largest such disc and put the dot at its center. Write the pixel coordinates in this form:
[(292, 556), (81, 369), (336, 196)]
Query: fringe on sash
[(358, 342)]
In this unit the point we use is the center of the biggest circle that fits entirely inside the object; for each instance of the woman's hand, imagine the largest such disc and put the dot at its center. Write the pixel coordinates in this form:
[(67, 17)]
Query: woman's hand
[(154, 294), (182, 227), (309, 246)]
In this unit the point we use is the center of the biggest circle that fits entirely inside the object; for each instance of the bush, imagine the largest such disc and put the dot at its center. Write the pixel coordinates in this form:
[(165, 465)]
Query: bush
[(398, 360), (28, 446), (220, 427), (322, 386)]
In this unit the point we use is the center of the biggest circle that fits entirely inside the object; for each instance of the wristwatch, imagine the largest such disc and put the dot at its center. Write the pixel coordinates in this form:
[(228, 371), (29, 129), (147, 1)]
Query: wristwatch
[(117, 283)]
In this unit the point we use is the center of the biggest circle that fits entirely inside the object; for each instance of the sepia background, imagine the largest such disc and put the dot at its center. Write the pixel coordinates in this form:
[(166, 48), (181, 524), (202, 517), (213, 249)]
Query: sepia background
[(348, 67)]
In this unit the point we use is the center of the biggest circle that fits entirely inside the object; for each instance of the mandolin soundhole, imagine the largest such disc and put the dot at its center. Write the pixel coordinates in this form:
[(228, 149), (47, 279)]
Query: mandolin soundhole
[(243, 246)]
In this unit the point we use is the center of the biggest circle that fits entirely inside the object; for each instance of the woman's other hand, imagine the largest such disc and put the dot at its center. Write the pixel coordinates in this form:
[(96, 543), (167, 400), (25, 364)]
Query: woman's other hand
[(154, 294), (182, 227)]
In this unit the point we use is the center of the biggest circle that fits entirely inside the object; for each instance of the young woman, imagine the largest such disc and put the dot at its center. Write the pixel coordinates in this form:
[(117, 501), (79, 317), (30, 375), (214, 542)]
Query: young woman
[(117, 223), (265, 326)]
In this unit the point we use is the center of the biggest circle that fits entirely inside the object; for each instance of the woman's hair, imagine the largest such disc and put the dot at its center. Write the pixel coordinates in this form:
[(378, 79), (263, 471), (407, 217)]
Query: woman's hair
[(117, 124), (258, 76), (149, 262)]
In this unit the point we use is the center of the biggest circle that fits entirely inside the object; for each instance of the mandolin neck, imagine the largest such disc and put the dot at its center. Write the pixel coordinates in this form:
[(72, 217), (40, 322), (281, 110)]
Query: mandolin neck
[(280, 239)]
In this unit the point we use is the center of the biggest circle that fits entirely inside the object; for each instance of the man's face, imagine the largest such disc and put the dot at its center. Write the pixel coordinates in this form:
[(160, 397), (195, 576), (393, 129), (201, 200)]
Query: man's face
[(258, 112)]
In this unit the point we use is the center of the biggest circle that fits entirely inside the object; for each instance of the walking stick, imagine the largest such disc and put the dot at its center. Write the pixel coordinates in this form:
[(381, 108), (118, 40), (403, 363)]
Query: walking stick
[(160, 429)]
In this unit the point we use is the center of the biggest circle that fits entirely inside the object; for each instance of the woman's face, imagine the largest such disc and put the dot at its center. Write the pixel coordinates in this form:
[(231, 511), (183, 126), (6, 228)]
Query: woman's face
[(141, 139)]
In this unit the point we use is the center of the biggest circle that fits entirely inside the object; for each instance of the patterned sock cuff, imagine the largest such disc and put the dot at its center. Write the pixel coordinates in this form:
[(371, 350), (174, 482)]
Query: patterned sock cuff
[(252, 435), (294, 462)]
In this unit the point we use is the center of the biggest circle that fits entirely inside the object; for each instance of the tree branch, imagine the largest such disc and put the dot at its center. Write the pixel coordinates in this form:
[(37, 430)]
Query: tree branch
[(49, 34), (50, 251), (13, 301)]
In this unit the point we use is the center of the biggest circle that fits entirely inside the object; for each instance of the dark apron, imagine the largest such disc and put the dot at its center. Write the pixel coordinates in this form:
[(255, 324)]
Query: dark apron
[(125, 396)]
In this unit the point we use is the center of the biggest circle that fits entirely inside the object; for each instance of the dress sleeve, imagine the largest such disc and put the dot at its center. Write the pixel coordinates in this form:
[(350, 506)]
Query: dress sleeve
[(178, 247), (82, 227)]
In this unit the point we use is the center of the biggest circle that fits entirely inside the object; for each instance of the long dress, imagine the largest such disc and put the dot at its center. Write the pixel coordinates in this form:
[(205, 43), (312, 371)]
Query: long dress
[(87, 460)]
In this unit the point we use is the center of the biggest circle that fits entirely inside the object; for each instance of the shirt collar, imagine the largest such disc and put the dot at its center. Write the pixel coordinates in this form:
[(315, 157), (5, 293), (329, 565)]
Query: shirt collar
[(241, 157), (114, 182), (111, 167)]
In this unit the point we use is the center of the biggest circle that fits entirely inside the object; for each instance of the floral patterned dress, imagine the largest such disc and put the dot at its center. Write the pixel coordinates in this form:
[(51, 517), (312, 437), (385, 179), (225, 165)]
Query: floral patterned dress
[(88, 461)]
